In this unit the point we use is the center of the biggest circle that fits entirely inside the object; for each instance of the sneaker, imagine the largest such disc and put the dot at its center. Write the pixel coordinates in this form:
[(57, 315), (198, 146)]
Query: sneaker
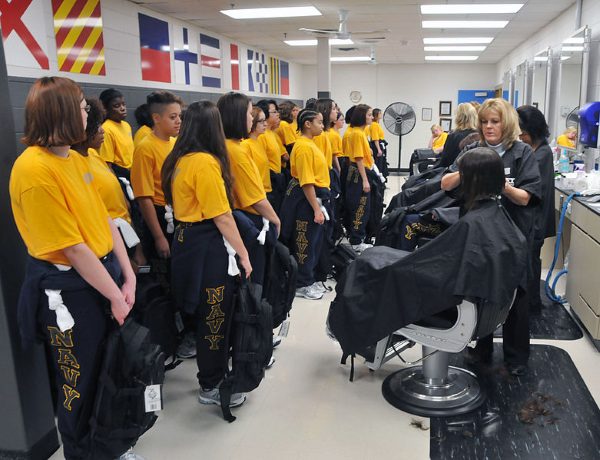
[(214, 397), (359, 248), (309, 292), (270, 364), (187, 347), (319, 286), (130, 455), (276, 340)]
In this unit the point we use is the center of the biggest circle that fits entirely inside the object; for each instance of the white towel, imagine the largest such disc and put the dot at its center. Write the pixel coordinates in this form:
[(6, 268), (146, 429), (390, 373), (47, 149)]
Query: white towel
[(263, 233), (127, 232), (128, 188), (232, 269), (376, 169), (323, 209), (169, 219), (64, 320)]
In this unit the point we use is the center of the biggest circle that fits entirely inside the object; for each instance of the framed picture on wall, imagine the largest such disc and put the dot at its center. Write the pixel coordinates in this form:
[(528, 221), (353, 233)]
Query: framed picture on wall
[(426, 114), (445, 108), (446, 124)]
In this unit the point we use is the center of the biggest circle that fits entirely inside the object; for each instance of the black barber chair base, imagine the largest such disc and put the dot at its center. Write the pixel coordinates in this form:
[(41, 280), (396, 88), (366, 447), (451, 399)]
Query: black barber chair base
[(410, 390)]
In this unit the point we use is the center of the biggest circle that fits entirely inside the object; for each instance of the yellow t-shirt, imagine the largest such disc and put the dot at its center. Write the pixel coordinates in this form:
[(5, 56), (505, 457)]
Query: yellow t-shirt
[(148, 160), (274, 149), (336, 142), (140, 134), (259, 156), (356, 145), (376, 132), (198, 188), (308, 164), (564, 141), (322, 141), (108, 187), (440, 141), (56, 205), (117, 147), (287, 132), (247, 183)]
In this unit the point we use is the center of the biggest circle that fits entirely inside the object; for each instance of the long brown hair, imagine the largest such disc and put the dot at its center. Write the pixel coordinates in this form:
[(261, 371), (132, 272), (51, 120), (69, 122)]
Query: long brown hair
[(201, 131), (481, 175)]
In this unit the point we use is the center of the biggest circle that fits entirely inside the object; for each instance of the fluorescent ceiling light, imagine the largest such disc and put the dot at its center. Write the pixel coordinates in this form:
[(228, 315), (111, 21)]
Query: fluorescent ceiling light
[(500, 8), (545, 58), (262, 13), (451, 58), (313, 42), (464, 24), (572, 48), (350, 58), (573, 41), (458, 40), (455, 48)]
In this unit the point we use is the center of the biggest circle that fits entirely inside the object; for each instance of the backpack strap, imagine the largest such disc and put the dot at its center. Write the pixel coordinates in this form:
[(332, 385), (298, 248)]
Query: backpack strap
[(343, 361), (225, 397)]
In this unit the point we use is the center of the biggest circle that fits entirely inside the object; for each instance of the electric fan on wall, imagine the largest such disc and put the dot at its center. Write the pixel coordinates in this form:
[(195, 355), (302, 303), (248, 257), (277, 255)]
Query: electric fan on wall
[(399, 119)]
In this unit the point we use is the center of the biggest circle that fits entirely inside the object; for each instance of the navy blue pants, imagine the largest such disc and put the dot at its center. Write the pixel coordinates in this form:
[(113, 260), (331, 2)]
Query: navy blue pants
[(158, 265), (357, 207), (76, 358), (413, 227), (306, 243)]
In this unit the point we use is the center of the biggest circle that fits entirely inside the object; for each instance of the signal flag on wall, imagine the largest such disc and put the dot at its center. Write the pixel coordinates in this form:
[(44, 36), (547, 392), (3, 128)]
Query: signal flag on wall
[(235, 66), (210, 51), (155, 49), (78, 34)]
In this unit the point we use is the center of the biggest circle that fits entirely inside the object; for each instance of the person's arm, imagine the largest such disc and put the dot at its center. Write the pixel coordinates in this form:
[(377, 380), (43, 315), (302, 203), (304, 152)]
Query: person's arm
[(149, 215), (336, 164), (129, 280), (518, 196), (363, 174), (85, 262), (264, 208), (311, 196), (438, 150), (379, 152), (450, 181), (430, 145), (226, 225)]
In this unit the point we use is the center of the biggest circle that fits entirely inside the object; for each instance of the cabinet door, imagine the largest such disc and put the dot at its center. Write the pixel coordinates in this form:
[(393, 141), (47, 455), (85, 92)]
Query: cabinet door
[(583, 278)]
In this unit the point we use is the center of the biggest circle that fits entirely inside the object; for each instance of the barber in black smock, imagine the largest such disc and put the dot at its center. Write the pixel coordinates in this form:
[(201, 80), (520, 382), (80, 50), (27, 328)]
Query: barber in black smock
[(499, 129), (534, 132)]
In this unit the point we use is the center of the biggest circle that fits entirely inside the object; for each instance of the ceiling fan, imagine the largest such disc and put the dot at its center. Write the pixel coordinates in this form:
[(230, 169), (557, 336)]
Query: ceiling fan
[(342, 32)]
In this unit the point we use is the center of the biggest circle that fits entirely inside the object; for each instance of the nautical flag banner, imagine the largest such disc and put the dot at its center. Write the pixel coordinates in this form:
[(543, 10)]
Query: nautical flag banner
[(210, 51), (257, 72), (78, 34), (155, 49), (250, 70), (24, 33), (186, 58), (235, 66), (284, 69), (274, 76)]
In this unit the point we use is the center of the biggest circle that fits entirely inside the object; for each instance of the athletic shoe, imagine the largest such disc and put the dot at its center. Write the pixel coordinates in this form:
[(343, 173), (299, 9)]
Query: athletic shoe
[(359, 248), (309, 292), (270, 364), (276, 340), (130, 455), (319, 286), (187, 347), (214, 397)]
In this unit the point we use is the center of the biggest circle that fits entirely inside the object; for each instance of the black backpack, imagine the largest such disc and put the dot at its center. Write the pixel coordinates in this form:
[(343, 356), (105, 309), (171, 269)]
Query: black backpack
[(280, 285), (341, 257), (131, 362), (251, 341)]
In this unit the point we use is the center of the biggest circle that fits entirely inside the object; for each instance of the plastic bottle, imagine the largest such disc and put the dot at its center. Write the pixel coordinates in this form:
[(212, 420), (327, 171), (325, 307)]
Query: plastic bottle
[(563, 162)]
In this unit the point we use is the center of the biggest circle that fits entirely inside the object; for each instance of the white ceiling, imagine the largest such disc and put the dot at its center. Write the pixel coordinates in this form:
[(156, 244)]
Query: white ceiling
[(403, 44)]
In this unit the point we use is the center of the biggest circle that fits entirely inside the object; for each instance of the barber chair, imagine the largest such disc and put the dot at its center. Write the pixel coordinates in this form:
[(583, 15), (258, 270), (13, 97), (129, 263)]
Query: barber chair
[(422, 160), (435, 389)]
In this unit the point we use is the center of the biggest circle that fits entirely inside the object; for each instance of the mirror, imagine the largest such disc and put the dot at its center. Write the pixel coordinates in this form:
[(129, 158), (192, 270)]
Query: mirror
[(520, 84), (570, 90), (540, 64), (506, 85)]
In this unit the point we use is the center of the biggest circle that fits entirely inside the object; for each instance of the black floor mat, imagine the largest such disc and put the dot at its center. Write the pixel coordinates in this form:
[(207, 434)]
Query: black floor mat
[(564, 419), (552, 322)]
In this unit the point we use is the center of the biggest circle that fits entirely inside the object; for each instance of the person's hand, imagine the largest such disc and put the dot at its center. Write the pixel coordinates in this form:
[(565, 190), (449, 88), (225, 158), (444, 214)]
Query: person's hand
[(246, 266), (319, 217), (128, 291), (277, 225), (119, 309), (285, 157), (162, 248), (380, 153), (366, 187)]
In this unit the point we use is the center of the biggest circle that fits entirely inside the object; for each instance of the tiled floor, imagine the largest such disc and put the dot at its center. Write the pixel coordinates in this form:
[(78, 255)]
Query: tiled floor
[(306, 408)]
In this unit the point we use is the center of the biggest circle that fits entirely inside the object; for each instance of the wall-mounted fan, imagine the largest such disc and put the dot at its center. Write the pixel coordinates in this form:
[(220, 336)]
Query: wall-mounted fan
[(399, 119), (342, 32)]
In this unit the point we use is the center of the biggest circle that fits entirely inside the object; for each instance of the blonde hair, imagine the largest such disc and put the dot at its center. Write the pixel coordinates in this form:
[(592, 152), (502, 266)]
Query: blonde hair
[(434, 127), (570, 129), (509, 117), (466, 117)]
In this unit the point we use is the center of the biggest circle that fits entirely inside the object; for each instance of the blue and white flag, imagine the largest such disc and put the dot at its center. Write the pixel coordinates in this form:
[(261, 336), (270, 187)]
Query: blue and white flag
[(210, 57), (187, 70), (258, 72)]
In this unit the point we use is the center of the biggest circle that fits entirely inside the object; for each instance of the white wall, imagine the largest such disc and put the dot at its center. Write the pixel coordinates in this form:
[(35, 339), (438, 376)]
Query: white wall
[(420, 85)]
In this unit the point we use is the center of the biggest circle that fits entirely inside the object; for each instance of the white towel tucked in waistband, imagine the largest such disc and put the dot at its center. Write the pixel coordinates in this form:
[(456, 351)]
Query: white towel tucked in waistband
[(232, 269), (323, 209), (64, 320), (263, 233), (127, 232), (128, 188), (169, 219)]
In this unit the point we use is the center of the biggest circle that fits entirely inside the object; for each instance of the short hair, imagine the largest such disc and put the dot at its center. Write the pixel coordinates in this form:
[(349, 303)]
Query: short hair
[(349, 113), (304, 116), (142, 116), (376, 113), (466, 117), (285, 111), (481, 174), (533, 122), (53, 113), (325, 106), (233, 108), (94, 121), (108, 95), (359, 115), (256, 111), (264, 105), (509, 117), (158, 100)]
